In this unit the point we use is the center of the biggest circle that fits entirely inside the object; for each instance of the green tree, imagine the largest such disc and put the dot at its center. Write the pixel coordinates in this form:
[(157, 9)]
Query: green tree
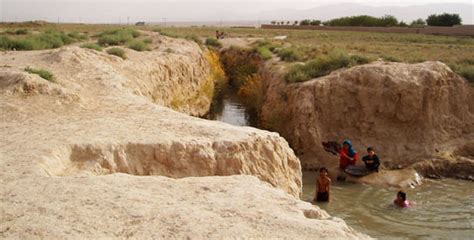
[(444, 19), (315, 22), (305, 22), (418, 22)]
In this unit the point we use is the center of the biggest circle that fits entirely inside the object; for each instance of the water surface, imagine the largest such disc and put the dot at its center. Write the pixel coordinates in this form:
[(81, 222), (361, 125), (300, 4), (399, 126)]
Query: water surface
[(444, 209)]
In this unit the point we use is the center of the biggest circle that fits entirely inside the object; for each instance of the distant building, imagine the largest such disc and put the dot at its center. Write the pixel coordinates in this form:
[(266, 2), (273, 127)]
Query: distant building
[(140, 24)]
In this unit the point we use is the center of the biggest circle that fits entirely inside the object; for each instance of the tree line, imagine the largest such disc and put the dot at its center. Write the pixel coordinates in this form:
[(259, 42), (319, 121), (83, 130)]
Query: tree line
[(445, 19)]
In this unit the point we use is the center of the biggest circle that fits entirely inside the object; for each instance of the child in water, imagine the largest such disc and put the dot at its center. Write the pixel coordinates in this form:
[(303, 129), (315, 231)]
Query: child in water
[(323, 186), (401, 200)]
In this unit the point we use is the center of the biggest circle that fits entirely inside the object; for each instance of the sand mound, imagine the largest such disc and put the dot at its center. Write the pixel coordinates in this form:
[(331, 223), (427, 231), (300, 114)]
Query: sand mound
[(406, 111)]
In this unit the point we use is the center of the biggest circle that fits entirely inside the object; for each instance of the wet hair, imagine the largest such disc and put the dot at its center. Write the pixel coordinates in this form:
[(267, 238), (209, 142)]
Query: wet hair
[(323, 169), (402, 195), (370, 149)]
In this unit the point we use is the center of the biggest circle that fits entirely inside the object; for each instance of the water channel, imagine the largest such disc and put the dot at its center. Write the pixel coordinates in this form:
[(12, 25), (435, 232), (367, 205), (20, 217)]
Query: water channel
[(444, 209)]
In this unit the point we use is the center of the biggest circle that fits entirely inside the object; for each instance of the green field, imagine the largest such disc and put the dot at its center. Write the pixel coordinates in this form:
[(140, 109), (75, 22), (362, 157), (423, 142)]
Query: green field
[(457, 52)]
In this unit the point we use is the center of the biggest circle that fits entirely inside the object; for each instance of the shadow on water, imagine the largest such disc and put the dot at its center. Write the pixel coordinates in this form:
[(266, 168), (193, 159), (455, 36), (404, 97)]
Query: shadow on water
[(227, 107)]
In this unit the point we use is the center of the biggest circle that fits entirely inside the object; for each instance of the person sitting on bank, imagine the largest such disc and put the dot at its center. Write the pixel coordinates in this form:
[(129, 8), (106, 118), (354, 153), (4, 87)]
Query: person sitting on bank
[(371, 160), (323, 186), (347, 155)]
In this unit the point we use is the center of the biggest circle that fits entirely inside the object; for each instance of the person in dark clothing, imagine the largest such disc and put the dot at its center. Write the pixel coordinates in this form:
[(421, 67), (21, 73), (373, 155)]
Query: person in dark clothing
[(371, 160), (323, 186)]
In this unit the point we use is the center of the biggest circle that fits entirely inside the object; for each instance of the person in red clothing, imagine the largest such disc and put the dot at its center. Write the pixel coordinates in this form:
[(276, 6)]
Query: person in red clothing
[(347, 156)]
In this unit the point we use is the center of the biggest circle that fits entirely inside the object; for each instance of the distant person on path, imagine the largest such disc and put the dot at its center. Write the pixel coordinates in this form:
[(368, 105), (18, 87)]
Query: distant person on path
[(323, 186), (371, 160), (218, 35), (401, 200), (347, 156)]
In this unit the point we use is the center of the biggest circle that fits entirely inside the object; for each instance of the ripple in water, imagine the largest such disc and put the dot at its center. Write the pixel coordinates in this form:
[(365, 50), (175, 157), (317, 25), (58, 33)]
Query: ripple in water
[(444, 209)]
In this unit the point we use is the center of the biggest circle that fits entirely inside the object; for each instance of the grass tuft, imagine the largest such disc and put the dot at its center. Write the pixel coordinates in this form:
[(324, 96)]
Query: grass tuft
[(117, 37), (45, 74), (117, 52), (212, 42), (323, 65), (264, 52), (288, 54), (93, 46), (138, 45)]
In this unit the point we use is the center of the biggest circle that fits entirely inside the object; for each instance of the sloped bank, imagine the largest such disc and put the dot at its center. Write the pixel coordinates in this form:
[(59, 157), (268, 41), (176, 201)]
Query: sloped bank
[(408, 112), (70, 141)]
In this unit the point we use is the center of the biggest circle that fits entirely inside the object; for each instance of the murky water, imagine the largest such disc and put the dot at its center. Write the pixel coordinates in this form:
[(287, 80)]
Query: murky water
[(227, 107), (444, 209)]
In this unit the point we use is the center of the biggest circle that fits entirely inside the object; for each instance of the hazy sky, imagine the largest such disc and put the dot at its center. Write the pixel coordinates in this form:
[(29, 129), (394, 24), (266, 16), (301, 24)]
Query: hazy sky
[(114, 11)]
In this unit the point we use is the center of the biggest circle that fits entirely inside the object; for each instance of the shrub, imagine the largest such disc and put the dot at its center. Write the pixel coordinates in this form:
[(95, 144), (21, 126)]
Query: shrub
[(359, 59), (465, 70), (288, 55), (45, 40), (444, 19), (264, 52), (117, 52), (212, 42), (138, 45), (315, 22), (45, 74), (364, 20), (21, 32), (194, 38), (390, 58), (117, 36), (252, 92), (318, 67), (148, 40), (240, 63), (216, 70), (77, 36), (92, 46), (305, 22), (418, 22)]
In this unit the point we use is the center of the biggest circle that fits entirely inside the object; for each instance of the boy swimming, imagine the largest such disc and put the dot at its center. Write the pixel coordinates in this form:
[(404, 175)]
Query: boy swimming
[(323, 186), (401, 200)]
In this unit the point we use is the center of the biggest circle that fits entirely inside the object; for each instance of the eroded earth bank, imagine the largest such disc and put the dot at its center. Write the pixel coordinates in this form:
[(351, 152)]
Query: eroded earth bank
[(419, 117), (100, 153)]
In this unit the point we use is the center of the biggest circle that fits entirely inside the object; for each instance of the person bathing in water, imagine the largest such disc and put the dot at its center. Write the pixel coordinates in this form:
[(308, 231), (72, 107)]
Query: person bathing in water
[(371, 160), (323, 186), (347, 156), (401, 200)]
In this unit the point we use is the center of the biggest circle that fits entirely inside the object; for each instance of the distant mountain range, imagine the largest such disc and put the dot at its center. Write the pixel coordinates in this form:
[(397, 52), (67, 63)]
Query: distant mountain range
[(406, 14)]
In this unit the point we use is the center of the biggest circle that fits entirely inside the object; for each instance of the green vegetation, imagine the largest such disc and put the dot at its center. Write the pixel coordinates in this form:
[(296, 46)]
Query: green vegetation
[(117, 52), (239, 64), (92, 46), (264, 52), (465, 70), (288, 54), (194, 38), (418, 22), (212, 42), (45, 40), (444, 19), (116, 37), (138, 45), (21, 32), (323, 65), (364, 20), (313, 22), (45, 74)]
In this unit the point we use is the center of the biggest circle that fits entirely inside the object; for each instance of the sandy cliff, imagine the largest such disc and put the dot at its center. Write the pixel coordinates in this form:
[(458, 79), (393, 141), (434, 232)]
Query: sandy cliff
[(66, 146), (408, 112)]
